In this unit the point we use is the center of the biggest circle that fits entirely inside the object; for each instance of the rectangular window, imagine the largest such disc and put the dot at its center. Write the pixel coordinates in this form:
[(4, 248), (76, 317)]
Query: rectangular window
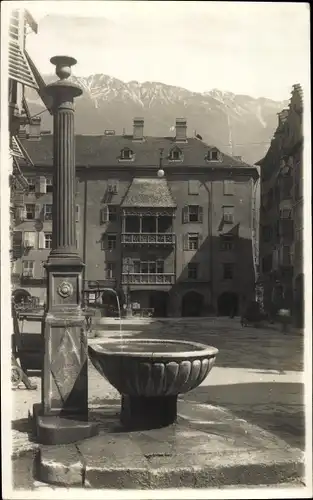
[(113, 186), (228, 271), (193, 271), (31, 185), (228, 215), (28, 268), (30, 239), (226, 244), (148, 267), (285, 213), (111, 241), (193, 187), (47, 211), (193, 241), (110, 270), (49, 186), (48, 240), (228, 187), (30, 211), (112, 213), (193, 213)]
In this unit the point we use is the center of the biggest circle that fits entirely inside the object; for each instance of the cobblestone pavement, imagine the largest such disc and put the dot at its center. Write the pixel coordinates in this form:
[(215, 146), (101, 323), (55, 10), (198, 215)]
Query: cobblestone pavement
[(258, 375)]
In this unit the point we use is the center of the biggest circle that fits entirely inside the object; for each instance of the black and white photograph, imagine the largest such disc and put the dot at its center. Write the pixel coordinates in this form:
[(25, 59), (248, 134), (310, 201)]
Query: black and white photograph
[(156, 288)]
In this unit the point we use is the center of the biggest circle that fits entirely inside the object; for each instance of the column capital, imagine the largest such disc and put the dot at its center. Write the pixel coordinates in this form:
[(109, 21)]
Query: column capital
[(63, 90)]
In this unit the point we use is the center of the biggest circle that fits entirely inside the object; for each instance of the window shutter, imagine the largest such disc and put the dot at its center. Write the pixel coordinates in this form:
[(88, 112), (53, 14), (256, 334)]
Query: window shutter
[(77, 218), (228, 187), (200, 237), (77, 186), (104, 242), (37, 211), (193, 187), (21, 213), (33, 239), (41, 240), (185, 242), (104, 215), (17, 244), (42, 185), (19, 68), (200, 214), (185, 214)]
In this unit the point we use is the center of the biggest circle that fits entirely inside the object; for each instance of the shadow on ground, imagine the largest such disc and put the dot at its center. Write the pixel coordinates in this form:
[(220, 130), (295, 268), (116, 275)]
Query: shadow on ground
[(276, 407)]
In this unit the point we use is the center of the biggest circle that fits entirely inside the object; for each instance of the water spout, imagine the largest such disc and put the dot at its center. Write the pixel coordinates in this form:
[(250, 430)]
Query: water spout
[(111, 290)]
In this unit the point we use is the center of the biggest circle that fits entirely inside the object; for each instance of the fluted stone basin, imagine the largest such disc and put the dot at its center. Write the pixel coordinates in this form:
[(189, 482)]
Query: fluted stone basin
[(149, 374)]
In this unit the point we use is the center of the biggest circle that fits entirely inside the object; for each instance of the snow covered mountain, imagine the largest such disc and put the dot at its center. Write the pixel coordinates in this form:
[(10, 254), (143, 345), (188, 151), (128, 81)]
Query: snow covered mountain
[(237, 124)]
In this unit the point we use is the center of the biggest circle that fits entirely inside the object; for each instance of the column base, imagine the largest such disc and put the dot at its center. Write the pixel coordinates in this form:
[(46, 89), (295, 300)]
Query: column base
[(148, 412), (55, 429)]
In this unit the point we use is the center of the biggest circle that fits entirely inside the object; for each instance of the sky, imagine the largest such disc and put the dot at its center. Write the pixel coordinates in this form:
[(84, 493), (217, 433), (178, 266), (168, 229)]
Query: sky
[(259, 49)]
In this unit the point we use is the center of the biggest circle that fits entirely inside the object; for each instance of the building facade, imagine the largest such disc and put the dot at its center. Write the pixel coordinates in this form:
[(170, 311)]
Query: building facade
[(281, 214), (169, 222), (22, 73)]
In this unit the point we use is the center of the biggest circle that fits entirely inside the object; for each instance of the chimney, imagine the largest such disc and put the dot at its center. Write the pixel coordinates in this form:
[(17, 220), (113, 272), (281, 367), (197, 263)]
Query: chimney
[(34, 129), (138, 129), (181, 130)]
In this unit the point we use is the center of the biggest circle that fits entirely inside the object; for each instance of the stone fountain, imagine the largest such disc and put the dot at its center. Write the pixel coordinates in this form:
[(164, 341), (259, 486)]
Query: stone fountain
[(150, 374)]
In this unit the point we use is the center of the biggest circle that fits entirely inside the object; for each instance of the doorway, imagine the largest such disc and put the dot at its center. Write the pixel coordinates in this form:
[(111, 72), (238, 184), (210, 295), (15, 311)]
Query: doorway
[(227, 304), (158, 302), (192, 304)]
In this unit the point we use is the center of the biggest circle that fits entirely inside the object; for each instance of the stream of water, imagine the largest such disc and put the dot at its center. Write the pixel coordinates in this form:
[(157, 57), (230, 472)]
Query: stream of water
[(111, 290)]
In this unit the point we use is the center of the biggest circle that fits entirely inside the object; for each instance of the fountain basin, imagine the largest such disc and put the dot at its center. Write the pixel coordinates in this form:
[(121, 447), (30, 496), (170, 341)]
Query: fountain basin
[(150, 373)]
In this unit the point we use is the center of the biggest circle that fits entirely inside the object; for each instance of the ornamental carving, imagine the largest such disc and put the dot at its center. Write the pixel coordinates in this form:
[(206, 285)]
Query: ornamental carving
[(65, 289)]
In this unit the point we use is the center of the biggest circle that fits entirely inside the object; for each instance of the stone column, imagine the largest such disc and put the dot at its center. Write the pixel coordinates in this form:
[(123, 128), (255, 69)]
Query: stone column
[(62, 416)]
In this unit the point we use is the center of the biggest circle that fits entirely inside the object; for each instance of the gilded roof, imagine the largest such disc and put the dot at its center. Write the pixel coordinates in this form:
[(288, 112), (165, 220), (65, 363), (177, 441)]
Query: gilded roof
[(148, 193)]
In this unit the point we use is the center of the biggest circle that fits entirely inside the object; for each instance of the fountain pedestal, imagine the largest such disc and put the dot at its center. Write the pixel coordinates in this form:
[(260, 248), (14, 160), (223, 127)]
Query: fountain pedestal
[(148, 413), (62, 416)]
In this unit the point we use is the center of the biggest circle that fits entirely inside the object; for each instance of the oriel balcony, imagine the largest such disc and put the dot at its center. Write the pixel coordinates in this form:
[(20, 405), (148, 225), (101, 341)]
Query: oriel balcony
[(147, 229), (148, 279)]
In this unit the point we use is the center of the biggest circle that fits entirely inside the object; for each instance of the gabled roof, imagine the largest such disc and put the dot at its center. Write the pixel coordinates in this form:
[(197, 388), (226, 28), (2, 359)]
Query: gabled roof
[(105, 151), (148, 193)]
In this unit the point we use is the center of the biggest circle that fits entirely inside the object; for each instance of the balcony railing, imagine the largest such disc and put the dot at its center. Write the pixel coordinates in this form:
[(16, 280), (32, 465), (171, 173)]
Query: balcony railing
[(148, 279), (148, 238)]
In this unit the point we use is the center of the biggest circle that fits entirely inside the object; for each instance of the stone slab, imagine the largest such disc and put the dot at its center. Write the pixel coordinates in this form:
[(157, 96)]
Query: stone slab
[(64, 468), (57, 430), (207, 447)]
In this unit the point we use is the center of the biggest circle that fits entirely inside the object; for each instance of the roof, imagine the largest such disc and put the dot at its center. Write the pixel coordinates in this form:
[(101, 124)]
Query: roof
[(104, 151), (148, 193)]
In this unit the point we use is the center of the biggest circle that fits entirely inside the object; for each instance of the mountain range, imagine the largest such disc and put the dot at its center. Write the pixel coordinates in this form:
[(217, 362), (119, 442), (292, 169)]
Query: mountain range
[(237, 124)]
